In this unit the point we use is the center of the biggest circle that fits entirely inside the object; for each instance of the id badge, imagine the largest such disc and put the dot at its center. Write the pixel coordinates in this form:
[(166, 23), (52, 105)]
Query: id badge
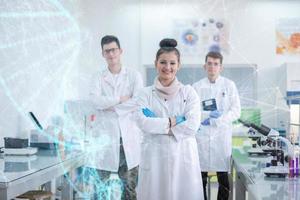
[(209, 105)]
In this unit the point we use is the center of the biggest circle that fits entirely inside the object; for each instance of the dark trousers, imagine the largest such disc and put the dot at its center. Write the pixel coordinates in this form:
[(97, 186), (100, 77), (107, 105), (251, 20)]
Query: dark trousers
[(128, 178), (128, 184), (223, 190)]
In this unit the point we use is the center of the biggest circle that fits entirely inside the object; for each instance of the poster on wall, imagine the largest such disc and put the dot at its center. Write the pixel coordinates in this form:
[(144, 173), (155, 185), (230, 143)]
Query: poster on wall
[(196, 37), (288, 36)]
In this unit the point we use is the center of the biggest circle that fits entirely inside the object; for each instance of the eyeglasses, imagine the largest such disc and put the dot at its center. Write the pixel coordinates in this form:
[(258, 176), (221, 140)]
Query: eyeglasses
[(112, 50), (213, 64)]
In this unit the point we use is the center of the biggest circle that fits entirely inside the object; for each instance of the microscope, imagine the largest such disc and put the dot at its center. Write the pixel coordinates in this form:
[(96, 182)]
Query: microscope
[(261, 144), (271, 143)]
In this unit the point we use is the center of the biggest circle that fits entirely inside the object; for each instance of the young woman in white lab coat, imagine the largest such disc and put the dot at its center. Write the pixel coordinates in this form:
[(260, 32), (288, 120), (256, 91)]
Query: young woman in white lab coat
[(169, 167)]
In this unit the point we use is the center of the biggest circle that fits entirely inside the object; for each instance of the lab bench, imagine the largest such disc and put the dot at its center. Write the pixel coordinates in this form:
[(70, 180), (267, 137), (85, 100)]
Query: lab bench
[(251, 181), (19, 174)]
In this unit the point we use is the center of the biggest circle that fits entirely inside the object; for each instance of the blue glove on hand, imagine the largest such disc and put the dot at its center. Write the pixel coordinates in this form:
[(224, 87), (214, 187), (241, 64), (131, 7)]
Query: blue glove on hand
[(180, 119), (148, 113), (215, 114), (205, 122)]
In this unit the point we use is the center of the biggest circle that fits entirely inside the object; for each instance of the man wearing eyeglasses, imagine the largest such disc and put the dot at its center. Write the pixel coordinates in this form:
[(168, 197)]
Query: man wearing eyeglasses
[(220, 107), (118, 137)]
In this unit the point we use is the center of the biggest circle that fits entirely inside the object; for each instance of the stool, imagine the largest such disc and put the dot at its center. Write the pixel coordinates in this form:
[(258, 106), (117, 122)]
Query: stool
[(209, 176), (35, 195)]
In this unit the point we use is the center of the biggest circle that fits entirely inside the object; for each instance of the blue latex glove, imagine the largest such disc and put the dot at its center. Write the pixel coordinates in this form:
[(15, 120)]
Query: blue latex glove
[(180, 119), (205, 122), (148, 113), (215, 114)]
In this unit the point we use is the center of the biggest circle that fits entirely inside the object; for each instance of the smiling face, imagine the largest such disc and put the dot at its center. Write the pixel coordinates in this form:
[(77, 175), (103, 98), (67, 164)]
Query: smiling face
[(167, 66), (112, 53)]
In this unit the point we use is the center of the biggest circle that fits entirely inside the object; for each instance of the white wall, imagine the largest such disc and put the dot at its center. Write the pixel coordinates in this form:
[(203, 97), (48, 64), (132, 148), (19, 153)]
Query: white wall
[(252, 40), (99, 18), (39, 45), (55, 46), (252, 27)]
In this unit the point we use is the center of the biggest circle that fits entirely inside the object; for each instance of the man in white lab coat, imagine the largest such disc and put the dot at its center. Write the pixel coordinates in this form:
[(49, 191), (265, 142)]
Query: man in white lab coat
[(220, 107), (118, 138)]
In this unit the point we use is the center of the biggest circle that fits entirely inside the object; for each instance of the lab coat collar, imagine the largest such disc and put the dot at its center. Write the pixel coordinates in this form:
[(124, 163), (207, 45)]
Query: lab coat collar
[(216, 82), (108, 76), (162, 101), (108, 73)]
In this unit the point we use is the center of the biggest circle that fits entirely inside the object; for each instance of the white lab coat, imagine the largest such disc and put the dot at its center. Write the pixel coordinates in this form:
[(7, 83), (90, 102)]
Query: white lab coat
[(214, 141), (109, 126), (169, 167)]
